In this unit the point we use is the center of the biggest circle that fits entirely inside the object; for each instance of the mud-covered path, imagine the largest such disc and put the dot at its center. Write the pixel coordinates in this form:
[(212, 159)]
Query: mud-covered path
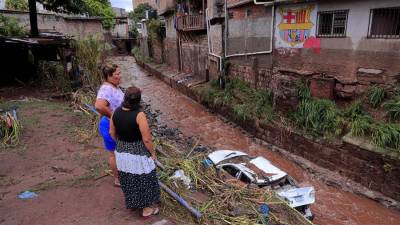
[(333, 206)]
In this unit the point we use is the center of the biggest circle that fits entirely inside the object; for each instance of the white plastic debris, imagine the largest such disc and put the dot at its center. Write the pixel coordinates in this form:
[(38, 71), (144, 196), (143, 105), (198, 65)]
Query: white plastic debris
[(180, 175)]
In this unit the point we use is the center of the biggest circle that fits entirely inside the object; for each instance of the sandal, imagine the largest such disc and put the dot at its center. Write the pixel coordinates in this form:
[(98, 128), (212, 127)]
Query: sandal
[(154, 211)]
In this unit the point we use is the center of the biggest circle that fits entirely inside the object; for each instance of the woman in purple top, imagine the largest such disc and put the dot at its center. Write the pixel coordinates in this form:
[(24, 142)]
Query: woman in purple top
[(109, 97)]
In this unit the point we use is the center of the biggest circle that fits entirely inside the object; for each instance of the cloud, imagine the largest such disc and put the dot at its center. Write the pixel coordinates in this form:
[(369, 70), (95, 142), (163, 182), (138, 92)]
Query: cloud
[(126, 4)]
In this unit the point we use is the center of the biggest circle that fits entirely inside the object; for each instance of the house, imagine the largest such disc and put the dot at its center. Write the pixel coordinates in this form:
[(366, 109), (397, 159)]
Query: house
[(185, 45), (356, 43), (121, 29), (346, 46)]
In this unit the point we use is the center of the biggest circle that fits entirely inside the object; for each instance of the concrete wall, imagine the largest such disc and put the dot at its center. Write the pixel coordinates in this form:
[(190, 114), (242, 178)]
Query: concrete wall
[(121, 29), (170, 43), (170, 27), (249, 29), (195, 56), (78, 28)]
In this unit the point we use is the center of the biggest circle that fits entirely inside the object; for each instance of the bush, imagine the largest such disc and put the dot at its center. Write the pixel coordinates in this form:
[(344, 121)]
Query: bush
[(90, 55), (392, 108), (155, 28), (386, 135), (376, 95), (318, 117), (51, 75), (138, 54), (303, 92), (359, 121), (9, 26)]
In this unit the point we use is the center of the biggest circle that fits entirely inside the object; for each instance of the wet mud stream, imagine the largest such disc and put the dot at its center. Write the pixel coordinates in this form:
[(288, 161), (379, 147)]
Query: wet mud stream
[(333, 206)]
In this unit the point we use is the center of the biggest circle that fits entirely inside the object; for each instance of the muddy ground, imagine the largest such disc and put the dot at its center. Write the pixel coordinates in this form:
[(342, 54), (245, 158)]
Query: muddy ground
[(65, 171)]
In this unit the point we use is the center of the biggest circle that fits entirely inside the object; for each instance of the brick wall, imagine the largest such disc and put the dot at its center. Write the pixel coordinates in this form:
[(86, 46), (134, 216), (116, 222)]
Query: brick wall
[(377, 171), (256, 11), (347, 67)]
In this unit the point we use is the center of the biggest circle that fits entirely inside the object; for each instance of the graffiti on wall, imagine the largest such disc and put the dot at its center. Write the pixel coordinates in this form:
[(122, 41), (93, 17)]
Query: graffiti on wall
[(296, 25)]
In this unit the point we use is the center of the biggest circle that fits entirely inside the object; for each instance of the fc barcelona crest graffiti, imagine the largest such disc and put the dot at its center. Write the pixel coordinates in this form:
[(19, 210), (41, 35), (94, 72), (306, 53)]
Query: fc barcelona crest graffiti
[(296, 25)]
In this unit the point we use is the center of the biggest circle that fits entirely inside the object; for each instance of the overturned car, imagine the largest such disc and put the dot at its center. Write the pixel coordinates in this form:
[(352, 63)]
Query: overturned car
[(261, 172)]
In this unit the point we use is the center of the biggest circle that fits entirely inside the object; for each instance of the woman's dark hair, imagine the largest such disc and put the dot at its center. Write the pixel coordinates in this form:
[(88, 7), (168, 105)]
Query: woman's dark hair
[(132, 98), (108, 70)]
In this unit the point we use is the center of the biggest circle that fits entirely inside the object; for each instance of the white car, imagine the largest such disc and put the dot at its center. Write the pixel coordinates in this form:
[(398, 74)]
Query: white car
[(261, 172)]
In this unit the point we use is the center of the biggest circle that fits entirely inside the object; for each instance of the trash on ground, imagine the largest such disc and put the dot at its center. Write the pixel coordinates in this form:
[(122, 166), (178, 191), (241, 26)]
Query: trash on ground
[(10, 128), (260, 172), (180, 175), (27, 195)]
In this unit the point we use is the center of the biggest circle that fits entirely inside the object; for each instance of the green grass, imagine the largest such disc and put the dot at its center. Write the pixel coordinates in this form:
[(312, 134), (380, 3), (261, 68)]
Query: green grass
[(392, 108), (318, 117), (247, 103), (386, 135), (359, 121), (376, 95)]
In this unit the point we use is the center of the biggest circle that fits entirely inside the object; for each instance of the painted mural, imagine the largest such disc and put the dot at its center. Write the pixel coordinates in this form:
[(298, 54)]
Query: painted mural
[(295, 25)]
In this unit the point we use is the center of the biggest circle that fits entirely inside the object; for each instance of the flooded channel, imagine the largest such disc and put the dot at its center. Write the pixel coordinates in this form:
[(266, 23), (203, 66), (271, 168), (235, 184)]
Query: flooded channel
[(332, 207)]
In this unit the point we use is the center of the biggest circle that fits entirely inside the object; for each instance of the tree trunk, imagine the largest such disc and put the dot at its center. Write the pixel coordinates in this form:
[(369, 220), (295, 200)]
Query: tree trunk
[(33, 18)]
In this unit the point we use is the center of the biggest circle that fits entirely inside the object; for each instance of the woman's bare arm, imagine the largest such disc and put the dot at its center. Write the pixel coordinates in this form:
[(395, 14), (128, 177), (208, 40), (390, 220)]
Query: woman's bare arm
[(112, 131), (101, 106), (146, 133)]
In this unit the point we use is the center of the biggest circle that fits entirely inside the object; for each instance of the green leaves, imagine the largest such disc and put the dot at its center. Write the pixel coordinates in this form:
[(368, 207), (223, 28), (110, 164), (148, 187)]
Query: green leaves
[(101, 8), (9, 27), (140, 12), (21, 5)]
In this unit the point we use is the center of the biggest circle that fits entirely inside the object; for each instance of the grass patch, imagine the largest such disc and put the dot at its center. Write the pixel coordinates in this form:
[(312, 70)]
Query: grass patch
[(359, 122), (318, 117), (376, 95), (247, 103), (386, 135), (392, 108)]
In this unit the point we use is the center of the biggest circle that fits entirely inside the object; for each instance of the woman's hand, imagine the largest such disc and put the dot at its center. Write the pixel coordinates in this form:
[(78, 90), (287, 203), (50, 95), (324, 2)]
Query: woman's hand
[(154, 157)]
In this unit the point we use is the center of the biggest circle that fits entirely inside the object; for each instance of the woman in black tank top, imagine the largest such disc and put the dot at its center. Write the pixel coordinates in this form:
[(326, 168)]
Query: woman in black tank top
[(135, 154)]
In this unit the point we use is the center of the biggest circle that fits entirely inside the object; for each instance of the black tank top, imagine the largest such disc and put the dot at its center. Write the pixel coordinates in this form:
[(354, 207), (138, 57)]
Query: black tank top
[(126, 126)]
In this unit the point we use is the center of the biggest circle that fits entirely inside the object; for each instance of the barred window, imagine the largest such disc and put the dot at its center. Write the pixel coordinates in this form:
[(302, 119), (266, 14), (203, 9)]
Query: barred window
[(384, 23), (332, 23)]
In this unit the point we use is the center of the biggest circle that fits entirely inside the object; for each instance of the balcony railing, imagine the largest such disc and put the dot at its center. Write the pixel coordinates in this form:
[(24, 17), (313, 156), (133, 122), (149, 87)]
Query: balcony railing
[(191, 23)]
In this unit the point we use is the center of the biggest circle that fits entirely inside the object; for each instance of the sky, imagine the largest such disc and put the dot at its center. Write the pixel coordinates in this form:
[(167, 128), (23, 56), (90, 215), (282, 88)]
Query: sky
[(126, 4)]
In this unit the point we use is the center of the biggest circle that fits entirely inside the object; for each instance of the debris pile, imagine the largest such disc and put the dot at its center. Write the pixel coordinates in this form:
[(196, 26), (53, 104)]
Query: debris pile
[(10, 128), (220, 202)]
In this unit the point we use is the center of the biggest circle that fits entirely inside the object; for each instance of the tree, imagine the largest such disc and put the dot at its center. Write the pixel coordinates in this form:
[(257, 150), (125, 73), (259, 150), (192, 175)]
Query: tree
[(21, 5), (140, 12), (101, 8)]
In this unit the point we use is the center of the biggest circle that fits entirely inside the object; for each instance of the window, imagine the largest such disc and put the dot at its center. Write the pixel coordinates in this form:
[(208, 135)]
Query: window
[(384, 23), (332, 23), (231, 170), (243, 177)]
